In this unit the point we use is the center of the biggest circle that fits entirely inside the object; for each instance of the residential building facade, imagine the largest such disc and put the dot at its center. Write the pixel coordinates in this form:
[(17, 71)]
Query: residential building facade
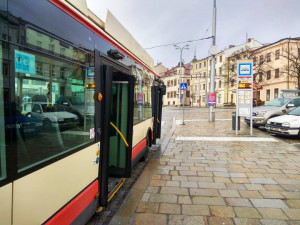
[(171, 80), (276, 67)]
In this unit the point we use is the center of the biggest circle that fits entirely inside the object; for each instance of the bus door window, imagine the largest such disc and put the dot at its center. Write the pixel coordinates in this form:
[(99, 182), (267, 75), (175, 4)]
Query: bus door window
[(119, 115), (2, 131)]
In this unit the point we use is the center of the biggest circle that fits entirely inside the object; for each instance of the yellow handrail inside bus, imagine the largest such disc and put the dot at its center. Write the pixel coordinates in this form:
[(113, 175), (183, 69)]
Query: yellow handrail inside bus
[(120, 134), (157, 120)]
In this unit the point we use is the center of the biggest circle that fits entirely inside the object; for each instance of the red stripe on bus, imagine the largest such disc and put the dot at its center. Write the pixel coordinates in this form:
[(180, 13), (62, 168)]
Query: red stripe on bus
[(70, 212), (96, 30), (138, 148)]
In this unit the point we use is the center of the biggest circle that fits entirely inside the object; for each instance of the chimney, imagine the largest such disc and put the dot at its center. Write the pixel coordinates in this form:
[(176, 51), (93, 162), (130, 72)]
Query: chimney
[(231, 46), (249, 40)]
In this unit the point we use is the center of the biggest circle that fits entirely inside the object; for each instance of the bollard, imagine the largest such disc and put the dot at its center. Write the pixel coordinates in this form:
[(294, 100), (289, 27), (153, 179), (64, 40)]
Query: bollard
[(233, 121)]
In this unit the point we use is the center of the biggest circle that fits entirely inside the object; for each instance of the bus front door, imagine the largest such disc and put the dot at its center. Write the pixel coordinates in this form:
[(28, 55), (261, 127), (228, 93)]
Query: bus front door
[(114, 122)]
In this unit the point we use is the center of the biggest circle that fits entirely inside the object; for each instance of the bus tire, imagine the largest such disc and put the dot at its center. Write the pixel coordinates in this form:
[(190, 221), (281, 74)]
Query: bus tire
[(148, 145)]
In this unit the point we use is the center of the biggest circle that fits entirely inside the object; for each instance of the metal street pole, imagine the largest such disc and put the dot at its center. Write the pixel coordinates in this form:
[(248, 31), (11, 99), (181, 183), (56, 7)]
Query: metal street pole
[(181, 49), (212, 69), (199, 100)]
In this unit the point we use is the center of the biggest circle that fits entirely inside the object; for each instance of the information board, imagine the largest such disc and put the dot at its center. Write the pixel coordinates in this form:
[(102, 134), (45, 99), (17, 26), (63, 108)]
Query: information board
[(244, 90)]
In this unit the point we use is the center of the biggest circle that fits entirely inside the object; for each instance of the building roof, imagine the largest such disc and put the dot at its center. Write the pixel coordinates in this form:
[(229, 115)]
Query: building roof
[(173, 71), (276, 42)]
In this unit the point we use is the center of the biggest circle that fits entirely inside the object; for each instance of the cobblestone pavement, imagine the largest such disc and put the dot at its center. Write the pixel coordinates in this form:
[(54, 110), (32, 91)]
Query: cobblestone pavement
[(203, 180)]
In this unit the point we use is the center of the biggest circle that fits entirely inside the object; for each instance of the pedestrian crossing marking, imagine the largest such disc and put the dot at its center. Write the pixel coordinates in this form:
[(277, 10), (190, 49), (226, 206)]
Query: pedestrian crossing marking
[(225, 139), (183, 86)]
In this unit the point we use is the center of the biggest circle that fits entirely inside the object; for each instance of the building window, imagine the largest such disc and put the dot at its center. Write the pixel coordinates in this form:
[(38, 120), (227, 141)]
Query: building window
[(220, 84), (269, 57), (204, 64), (268, 95), (232, 83), (168, 95), (199, 65), (175, 82), (204, 74), (268, 74), (254, 61), (276, 91), (203, 87), (277, 53), (168, 83), (188, 82), (196, 66), (220, 58), (261, 59), (258, 95), (187, 94), (276, 73), (220, 71), (260, 77), (203, 98)]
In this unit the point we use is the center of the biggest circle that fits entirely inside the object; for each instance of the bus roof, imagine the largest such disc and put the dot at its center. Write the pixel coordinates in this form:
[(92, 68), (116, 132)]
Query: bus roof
[(112, 30)]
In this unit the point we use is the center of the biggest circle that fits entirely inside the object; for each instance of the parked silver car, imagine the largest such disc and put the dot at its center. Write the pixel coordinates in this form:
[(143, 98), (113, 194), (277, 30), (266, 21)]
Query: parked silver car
[(276, 107)]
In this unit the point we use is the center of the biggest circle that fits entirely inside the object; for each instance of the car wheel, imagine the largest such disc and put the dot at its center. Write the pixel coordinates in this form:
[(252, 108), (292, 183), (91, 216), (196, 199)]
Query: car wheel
[(47, 124)]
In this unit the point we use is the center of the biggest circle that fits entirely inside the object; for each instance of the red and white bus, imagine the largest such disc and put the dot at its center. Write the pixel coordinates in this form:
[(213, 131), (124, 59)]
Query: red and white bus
[(78, 105)]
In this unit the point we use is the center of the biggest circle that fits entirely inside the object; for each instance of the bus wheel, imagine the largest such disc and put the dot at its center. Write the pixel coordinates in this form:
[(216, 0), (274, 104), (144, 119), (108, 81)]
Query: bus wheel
[(148, 144)]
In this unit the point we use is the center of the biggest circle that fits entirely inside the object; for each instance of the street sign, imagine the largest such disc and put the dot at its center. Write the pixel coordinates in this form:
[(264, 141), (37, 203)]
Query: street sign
[(183, 86), (212, 99)]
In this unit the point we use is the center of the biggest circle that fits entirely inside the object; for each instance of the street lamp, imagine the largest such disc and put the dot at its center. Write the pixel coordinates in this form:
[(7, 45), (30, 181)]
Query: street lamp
[(181, 49)]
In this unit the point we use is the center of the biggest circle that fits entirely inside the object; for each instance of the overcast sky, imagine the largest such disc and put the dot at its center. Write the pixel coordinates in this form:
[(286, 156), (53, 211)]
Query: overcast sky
[(159, 22)]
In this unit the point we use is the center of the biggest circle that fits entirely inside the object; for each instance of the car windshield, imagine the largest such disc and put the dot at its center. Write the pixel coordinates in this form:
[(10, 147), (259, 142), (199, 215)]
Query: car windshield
[(295, 112), (51, 108), (76, 100), (278, 102)]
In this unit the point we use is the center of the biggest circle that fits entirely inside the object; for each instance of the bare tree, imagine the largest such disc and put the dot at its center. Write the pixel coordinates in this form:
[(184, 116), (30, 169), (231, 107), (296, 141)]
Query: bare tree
[(259, 68), (291, 53)]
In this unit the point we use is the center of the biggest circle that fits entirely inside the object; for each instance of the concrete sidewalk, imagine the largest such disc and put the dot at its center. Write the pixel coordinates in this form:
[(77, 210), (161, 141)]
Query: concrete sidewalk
[(208, 175)]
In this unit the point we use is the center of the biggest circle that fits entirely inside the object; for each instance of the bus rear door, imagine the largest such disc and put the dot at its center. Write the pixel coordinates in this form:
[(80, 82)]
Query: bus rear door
[(114, 120), (157, 93)]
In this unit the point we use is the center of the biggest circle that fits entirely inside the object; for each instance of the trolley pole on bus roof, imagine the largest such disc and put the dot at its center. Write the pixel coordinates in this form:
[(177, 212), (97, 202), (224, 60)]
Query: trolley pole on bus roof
[(213, 52)]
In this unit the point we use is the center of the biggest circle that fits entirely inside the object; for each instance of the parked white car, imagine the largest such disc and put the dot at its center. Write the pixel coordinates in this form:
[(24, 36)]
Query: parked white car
[(53, 118), (286, 125)]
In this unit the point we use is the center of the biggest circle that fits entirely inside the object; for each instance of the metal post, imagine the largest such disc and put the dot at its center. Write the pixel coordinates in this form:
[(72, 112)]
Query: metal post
[(199, 91), (183, 108), (179, 77), (212, 68), (181, 49)]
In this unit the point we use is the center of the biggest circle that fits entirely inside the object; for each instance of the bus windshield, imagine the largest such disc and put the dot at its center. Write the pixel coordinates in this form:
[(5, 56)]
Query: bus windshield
[(278, 102)]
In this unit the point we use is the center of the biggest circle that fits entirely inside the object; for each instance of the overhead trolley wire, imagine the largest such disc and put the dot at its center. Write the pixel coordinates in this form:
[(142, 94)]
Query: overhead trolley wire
[(157, 46)]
